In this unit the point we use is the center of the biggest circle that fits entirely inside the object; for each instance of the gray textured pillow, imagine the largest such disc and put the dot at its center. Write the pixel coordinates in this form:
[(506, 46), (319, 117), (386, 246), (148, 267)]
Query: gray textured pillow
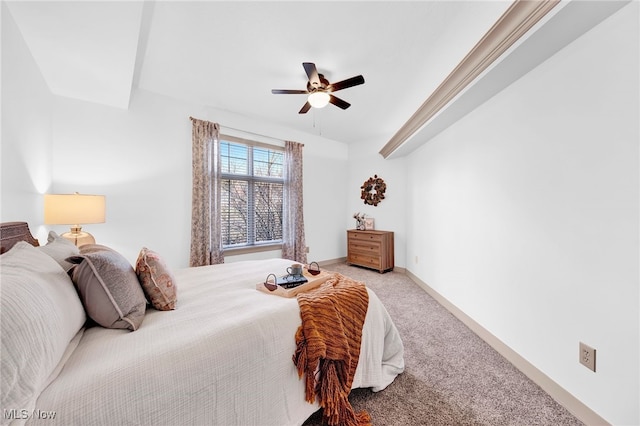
[(59, 248), (109, 288)]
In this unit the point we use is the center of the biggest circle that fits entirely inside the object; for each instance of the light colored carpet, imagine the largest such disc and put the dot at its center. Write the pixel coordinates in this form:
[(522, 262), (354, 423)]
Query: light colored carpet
[(452, 377)]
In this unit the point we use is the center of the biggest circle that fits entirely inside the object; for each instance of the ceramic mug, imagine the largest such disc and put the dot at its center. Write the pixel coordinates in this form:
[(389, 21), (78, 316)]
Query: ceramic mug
[(295, 269)]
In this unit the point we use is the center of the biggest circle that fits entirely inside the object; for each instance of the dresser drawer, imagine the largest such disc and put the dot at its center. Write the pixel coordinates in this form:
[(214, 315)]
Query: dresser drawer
[(364, 236), (364, 260), (365, 247)]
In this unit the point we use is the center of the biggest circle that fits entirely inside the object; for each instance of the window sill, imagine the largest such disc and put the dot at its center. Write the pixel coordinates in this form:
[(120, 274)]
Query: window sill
[(251, 249)]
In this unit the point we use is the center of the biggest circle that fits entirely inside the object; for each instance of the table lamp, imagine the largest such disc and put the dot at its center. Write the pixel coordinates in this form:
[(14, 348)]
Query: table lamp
[(74, 210)]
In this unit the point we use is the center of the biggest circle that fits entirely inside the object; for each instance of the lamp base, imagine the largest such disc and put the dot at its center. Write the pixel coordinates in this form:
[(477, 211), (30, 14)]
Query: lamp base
[(78, 237)]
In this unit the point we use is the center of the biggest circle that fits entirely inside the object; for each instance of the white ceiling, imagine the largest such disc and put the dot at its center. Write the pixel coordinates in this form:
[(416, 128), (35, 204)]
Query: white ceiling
[(229, 55), (85, 50)]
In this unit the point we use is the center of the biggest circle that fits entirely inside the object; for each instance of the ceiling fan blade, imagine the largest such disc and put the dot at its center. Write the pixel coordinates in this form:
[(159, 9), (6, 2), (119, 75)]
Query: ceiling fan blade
[(288, 92), (312, 73), (339, 102), (306, 107), (350, 82)]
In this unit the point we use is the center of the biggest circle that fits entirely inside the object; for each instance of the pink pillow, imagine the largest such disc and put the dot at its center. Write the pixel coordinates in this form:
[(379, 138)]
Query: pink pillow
[(156, 279)]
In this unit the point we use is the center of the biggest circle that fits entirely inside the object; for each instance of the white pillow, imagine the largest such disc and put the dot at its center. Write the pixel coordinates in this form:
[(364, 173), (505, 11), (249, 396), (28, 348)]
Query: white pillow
[(40, 312), (60, 248)]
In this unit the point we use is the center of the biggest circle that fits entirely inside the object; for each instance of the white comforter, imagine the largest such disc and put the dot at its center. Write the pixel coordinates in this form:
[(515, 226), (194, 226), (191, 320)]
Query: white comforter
[(223, 357)]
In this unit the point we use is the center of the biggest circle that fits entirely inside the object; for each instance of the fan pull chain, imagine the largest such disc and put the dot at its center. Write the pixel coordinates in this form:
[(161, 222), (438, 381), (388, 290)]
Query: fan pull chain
[(314, 123)]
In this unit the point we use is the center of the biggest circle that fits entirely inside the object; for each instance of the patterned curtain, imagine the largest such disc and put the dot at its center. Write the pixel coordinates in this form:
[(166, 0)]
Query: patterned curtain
[(206, 244), (294, 246)]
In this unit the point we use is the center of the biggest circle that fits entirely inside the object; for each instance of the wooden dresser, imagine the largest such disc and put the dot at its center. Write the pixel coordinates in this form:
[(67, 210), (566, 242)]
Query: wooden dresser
[(371, 249)]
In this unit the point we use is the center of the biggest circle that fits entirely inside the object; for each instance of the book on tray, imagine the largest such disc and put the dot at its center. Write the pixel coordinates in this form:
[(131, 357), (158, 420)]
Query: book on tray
[(290, 281)]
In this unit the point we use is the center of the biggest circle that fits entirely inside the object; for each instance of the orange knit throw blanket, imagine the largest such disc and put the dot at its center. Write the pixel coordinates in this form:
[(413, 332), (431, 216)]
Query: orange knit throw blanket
[(329, 341)]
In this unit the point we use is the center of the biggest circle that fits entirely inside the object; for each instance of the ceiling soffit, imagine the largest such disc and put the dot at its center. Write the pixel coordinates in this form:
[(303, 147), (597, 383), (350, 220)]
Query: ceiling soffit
[(513, 24), (456, 97), (78, 49)]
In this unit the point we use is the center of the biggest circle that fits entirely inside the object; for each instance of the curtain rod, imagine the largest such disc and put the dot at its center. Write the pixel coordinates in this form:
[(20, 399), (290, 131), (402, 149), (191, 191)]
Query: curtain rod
[(246, 131), (222, 126)]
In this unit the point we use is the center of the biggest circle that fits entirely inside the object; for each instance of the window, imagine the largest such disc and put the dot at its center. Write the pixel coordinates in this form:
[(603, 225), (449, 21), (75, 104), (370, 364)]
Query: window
[(251, 196)]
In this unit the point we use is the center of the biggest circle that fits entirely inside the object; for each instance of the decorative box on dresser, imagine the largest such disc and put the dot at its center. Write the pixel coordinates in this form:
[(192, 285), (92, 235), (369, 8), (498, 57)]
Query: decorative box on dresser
[(371, 249)]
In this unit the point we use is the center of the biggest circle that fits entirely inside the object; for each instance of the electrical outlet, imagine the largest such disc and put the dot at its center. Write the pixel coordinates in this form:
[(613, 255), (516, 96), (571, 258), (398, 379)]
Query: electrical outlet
[(588, 356)]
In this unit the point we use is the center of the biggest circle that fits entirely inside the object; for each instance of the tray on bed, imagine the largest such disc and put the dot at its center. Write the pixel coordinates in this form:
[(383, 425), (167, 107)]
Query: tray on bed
[(313, 281)]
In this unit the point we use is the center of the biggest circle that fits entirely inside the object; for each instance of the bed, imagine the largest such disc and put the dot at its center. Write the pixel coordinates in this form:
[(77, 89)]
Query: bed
[(223, 356)]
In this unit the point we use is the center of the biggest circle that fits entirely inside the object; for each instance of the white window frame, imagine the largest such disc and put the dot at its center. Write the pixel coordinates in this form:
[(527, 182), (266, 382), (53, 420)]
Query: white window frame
[(251, 245)]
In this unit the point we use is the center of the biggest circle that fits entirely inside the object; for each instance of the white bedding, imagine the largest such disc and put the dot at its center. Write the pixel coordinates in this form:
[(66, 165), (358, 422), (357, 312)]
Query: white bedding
[(222, 357)]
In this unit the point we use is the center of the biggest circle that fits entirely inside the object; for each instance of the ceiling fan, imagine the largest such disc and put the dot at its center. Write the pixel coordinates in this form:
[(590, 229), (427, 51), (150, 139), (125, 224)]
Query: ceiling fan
[(320, 90)]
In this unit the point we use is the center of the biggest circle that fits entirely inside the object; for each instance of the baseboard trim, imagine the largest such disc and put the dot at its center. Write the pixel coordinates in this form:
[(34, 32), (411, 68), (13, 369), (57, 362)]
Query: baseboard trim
[(324, 263), (564, 398)]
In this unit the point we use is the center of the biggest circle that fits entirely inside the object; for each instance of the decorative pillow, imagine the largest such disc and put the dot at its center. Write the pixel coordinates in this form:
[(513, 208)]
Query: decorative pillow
[(108, 287), (156, 279), (40, 314), (60, 248), (93, 248)]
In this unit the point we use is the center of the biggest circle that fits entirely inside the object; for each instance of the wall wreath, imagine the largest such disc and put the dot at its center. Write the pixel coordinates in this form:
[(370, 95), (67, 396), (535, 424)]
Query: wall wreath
[(373, 190)]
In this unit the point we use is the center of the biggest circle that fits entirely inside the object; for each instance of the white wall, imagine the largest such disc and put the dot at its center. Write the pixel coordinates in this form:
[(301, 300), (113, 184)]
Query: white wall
[(389, 215), (524, 215), (26, 131), (140, 159)]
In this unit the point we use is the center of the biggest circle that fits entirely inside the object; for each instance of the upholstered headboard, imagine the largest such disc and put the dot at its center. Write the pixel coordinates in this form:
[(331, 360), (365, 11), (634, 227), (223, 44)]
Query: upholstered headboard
[(12, 232)]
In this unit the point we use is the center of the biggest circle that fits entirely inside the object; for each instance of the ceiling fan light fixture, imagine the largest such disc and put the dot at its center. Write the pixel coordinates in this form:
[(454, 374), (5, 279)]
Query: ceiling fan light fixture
[(318, 99), (319, 91)]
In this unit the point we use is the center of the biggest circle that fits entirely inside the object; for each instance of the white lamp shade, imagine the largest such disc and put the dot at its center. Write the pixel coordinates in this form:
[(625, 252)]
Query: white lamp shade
[(318, 99), (73, 209)]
